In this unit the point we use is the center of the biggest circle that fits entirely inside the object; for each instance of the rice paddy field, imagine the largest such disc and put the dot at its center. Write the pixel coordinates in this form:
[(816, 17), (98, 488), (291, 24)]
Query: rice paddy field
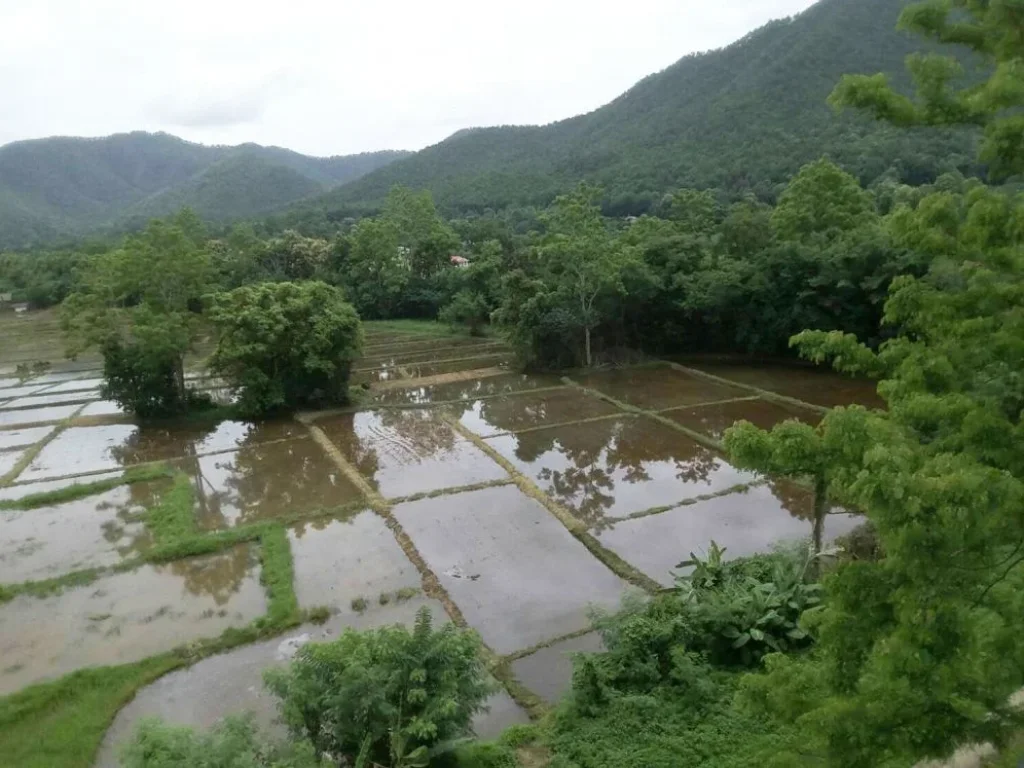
[(158, 570)]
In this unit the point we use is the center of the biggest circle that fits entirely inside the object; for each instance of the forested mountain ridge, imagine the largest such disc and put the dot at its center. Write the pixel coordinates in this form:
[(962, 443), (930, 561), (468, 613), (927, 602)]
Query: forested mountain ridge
[(742, 118), (62, 187)]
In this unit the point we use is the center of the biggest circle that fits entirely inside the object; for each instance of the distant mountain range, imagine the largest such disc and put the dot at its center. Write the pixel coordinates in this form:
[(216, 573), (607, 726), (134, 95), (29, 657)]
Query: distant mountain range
[(741, 119), (62, 187)]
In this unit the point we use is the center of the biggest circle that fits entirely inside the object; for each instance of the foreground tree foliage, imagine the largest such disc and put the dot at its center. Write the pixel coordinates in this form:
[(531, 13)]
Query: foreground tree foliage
[(140, 306), (386, 696), (919, 652), (234, 743), (285, 345)]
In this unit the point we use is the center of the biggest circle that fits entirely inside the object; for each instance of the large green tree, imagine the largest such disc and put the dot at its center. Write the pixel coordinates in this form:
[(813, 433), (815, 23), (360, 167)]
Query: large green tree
[(578, 275), (919, 652), (140, 305), (285, 345)]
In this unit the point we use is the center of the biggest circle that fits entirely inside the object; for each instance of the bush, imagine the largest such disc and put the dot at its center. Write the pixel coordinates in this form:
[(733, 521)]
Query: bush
[(234, 743), (726, 614), (388, 695), (285, 345)]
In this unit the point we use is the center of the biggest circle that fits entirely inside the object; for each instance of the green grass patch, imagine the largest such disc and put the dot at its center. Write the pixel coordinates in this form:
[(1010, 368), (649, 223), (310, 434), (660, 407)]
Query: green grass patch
[(278, 575), (81, 490), (61, 724), (173, 518), (665, 728)]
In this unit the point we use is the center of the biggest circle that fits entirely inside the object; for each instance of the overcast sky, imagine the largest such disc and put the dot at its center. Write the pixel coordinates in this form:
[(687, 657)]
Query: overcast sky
[(330, 77)]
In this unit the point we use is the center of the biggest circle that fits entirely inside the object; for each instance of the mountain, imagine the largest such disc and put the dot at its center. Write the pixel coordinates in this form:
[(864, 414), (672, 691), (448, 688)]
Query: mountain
[(63, 187), (742, 118)]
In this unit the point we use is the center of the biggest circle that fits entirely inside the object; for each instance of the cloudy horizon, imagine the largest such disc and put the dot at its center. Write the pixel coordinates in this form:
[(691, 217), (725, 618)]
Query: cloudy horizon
[(340, 78)]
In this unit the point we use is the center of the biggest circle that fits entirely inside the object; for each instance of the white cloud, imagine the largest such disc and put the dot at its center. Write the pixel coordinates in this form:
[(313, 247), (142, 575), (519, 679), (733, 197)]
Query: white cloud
[(338, 76)]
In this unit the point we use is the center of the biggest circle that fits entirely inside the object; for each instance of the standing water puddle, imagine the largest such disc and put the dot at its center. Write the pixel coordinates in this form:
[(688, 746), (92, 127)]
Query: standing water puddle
[(515, 572), (127, 616), (265, 481), (407, 451), (91, 532), (615, 467)]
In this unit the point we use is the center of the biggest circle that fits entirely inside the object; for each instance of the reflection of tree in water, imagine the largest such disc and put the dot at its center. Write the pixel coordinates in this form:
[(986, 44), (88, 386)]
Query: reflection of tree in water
[(161, 443), (219, 576), (129, 503), (389, 438), (267, 480), (794, 499), (604, 453)]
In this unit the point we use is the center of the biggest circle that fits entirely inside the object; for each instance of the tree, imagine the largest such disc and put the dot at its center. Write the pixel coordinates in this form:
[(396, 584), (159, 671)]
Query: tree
[(919, 652), (285, 345), (580, 271), (140, 305), (821, 200), (791, 449), (294, 257), (388, 695), (476, 290), (377, 270)]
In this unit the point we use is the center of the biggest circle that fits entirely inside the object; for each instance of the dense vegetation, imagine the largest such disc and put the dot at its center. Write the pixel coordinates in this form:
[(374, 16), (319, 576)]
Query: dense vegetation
[(51, 189), (741, 120), (285, 345)]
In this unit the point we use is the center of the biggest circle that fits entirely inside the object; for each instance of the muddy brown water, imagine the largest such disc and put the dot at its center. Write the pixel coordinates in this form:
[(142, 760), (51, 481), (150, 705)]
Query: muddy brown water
[(91, 532), (527, 411), (713, 420), (127, 616), (515, 572), (657, 387), (817, 386), (470, 389), (744, 523), (616, 467), (409, 451), (264, 481)]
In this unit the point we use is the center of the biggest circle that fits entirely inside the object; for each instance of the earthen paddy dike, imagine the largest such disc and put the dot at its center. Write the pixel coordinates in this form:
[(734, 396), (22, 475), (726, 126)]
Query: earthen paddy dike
[(505, 502)]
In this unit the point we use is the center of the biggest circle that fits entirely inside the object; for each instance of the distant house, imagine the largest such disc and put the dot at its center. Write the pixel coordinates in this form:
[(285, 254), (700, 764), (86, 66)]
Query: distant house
[(459, 261), (5, 300)]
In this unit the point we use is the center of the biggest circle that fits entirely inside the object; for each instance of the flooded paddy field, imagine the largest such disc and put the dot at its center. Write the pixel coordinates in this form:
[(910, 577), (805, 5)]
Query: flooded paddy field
[(507, 502)]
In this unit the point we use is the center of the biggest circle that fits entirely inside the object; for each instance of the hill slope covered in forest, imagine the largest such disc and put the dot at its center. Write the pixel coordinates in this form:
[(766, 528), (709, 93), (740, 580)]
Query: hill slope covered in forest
[(61, 187), (745, 117)]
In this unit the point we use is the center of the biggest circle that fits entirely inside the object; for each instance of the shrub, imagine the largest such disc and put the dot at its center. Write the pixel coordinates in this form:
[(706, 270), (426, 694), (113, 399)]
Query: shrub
[(726, 614), (387, 695), (285, 345), (233, 743)]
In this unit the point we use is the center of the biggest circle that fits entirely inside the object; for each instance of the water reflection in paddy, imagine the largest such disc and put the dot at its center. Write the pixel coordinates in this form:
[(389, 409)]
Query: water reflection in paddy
[(615, 467)]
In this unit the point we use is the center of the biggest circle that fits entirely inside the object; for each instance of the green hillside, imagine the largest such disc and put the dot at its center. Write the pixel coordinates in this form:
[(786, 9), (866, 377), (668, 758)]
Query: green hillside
[(61, 187), (743, 118)]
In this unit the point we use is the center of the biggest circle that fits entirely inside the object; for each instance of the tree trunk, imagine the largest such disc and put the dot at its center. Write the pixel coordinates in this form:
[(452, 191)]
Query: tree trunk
[(179, 379), (818, 533), (586, 336)]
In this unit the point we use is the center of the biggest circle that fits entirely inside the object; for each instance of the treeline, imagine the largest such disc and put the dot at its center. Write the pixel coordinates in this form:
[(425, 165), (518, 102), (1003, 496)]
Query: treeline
[(580, 288)]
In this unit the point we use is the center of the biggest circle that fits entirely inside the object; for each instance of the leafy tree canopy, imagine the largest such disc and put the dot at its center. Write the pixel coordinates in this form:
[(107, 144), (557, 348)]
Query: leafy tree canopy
[(285, 345)]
